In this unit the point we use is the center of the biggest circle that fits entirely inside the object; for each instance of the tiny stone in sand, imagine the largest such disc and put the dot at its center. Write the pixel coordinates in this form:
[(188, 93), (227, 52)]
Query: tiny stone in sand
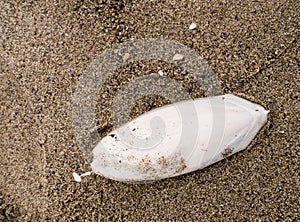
[(192, 26), (177, 57), (126, 57)]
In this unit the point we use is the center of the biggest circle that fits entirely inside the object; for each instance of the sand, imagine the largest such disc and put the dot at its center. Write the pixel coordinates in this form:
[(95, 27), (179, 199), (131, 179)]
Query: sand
[(253, 47)]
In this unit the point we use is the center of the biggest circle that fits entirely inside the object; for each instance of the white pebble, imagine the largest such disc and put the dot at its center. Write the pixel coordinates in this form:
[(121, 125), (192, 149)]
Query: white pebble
[(177, 57), (192, 26), (77, 178), (161, 73)]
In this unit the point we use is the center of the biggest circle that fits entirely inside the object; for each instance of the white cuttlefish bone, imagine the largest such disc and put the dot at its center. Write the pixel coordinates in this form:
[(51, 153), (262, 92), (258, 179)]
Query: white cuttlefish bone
[(177, 139)]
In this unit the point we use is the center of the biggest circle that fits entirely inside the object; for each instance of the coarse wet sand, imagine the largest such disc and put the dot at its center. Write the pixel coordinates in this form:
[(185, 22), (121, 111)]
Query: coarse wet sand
[(253, 48)]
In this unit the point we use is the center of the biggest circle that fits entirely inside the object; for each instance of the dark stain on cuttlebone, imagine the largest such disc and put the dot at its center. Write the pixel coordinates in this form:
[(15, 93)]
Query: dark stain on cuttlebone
[(227, 152), (175, 163)]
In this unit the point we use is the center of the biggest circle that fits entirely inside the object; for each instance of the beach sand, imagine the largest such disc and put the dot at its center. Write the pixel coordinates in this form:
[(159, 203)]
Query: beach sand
[(253, 48)]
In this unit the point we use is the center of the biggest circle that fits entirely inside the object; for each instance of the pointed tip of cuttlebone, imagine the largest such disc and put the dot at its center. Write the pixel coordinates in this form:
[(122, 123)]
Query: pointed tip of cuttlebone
[(78, 177)]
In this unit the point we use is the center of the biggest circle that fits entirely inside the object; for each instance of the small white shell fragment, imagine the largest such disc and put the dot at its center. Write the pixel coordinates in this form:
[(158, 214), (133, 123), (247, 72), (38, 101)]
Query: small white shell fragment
[(76, 177), (161, 73), (177, 57), (178, 138), (192, 26)]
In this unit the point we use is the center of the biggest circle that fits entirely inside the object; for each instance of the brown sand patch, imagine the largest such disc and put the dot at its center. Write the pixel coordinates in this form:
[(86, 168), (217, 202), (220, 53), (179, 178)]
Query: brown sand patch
[(252, 46)]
